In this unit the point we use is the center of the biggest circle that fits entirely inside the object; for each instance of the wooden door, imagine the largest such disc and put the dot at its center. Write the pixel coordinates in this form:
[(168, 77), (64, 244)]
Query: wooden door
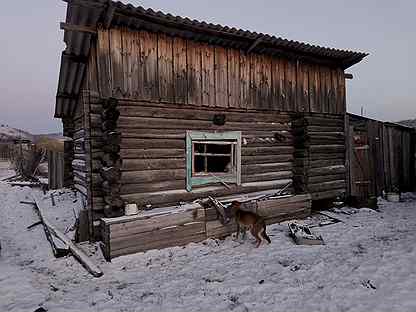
[(360, 182)]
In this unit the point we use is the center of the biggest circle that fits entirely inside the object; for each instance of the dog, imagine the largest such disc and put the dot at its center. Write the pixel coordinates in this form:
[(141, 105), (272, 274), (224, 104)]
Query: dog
[(249, 220)]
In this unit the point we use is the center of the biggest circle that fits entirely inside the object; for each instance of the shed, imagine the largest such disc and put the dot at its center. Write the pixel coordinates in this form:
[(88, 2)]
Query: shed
[(165, 110), (381, 157), (59, 171)]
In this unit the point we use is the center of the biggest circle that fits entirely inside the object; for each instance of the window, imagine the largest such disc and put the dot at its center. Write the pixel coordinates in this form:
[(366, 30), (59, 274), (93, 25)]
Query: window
[(212, 158)]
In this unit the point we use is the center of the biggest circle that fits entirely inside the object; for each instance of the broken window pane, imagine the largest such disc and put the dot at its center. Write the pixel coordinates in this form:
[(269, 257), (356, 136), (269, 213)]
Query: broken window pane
[(199, 163), (219, 148), (211, 157), (199, 147), (219, 164)]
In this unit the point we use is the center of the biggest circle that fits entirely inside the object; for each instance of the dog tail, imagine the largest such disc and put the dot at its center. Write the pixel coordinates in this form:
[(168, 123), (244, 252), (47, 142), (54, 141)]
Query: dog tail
[(264, 234)]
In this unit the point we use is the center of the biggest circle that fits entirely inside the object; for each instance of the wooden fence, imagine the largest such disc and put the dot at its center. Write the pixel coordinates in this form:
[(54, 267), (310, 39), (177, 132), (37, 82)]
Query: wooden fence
[(55, 170), (5, 151), (381, 157)]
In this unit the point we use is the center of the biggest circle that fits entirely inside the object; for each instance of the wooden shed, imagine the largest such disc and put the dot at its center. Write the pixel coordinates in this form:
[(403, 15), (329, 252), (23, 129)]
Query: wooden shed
[(59, 172), (381, 157), (166, 110)]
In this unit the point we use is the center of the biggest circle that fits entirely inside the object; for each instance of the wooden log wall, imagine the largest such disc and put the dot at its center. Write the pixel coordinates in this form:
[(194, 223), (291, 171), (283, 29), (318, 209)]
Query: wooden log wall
[(139, 65), (319, 156), (152, 149), (179, 226)]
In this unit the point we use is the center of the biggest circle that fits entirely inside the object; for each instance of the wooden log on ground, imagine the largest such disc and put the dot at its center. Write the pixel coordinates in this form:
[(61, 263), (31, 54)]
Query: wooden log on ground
[(59, 248), (76, 252)]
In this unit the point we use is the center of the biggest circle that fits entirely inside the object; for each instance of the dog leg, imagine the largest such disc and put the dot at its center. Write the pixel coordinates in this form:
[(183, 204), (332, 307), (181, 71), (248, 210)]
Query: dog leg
[(244, 234), (265, 236), (256, 236)]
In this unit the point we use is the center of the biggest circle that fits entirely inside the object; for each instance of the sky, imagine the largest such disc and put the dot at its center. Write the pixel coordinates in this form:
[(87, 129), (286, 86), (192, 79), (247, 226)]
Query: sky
[(384, 83)]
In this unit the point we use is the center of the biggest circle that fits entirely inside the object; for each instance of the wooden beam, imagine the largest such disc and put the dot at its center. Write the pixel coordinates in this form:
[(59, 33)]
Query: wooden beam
[(59, 247), (348, 76), (254, 44), (80, 28), (85, 261)]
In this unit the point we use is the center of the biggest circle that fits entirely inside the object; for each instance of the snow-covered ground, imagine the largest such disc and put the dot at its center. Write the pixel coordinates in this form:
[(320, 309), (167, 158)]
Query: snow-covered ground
[(367, 264)]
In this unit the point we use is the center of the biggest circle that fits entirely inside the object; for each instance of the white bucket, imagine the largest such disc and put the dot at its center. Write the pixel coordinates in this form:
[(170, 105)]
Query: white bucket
[(131, 209), (393, 197)]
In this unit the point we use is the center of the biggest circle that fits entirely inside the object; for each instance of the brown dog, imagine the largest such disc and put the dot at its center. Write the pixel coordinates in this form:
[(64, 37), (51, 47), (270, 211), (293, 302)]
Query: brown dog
[(250, 220)]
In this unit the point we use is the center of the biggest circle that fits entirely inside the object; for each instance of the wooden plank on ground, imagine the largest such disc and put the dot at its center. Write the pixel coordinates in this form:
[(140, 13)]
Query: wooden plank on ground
[(153, 223), (174, 241), (76, 252), (159, 238)]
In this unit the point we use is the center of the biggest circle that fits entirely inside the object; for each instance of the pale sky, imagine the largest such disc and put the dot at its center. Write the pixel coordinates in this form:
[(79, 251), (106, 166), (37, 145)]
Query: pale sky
[(31, 44)]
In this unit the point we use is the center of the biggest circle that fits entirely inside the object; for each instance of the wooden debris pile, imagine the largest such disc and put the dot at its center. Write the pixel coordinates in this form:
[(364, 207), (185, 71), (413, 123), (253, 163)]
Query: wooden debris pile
[(61, 245)]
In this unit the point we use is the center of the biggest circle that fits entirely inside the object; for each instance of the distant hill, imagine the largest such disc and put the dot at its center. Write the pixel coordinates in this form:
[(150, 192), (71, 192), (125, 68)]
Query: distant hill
[(8, 134), (408, 122)]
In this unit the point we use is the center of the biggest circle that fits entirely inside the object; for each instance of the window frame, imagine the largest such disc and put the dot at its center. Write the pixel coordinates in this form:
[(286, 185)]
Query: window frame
[(206, 138)]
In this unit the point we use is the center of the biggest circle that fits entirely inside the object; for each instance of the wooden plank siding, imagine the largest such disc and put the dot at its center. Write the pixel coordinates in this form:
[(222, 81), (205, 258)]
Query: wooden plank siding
[(173, 226), (140, 65)]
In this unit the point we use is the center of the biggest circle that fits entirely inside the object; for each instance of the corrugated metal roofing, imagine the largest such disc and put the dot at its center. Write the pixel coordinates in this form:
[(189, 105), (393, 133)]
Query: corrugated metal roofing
[(226, 32), (92, 12)]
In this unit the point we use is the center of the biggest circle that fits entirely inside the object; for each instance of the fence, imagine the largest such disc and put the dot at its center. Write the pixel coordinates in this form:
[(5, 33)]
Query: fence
[(55, 169), (5, 151)]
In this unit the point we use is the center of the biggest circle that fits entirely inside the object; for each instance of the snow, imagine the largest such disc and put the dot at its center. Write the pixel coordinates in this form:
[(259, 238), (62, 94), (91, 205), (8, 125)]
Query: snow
[(368, 263)]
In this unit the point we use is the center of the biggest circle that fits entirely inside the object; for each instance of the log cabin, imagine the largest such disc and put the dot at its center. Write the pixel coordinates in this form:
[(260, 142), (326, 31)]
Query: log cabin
[(164, 111)]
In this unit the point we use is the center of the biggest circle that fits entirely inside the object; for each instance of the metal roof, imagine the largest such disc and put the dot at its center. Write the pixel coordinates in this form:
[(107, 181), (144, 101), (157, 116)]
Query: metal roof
[(388, 123), (108, 13)]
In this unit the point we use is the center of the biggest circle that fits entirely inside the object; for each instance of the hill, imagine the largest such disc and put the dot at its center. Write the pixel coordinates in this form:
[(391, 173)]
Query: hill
[(8, 134)]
